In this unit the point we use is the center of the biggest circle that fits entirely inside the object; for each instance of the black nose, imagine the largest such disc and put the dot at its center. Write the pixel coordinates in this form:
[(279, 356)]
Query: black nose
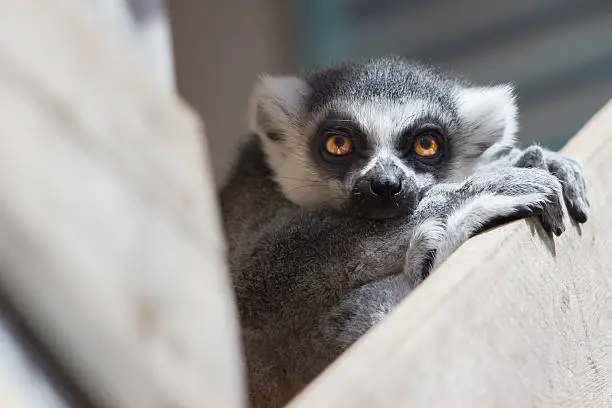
[(386, 186)]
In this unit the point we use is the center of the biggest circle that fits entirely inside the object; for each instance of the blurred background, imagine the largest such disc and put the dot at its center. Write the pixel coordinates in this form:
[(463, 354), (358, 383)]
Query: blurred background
[(558, 53)]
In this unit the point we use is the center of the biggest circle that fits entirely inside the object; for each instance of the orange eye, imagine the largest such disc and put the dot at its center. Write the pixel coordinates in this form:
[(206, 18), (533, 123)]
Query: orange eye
[(338, 145), (426, 146)]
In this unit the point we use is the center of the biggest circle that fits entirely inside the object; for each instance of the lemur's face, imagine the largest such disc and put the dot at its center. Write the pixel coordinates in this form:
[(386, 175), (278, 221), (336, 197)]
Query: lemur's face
[(370, 138)]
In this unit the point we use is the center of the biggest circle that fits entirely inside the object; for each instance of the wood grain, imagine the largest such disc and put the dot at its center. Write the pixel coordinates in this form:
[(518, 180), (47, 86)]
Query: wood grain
[(512, 319), (110, 241)]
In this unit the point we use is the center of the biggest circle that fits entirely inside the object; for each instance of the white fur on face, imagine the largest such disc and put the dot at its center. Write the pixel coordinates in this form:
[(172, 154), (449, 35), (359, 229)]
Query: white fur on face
[(277, 107), (381, 121), (297, 176)]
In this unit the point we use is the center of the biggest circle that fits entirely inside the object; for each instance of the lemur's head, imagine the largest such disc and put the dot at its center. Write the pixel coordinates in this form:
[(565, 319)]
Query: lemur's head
[(369, 137)]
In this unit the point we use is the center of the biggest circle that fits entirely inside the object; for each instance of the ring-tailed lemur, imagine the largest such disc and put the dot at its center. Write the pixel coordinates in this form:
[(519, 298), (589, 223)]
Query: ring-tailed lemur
[(364, 177)]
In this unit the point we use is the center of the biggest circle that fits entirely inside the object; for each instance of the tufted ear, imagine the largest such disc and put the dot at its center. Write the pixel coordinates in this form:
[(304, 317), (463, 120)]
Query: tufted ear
[(276, 104), (488, 115)]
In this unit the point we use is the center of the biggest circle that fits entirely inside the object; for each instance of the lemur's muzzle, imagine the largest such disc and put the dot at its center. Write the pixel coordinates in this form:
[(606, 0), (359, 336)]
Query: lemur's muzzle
[(384, 192)]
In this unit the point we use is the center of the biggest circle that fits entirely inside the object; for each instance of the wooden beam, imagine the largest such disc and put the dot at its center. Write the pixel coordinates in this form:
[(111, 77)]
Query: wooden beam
[(142, 28), (24, 377), (110, 242), (512, 319)]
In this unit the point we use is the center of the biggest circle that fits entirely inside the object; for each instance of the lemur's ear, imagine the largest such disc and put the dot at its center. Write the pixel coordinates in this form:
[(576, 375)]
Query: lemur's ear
[(488, 115), (276, 103)]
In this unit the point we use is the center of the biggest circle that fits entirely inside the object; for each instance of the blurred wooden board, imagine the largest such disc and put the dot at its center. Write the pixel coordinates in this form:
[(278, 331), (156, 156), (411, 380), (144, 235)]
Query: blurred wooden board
[(110, 242)]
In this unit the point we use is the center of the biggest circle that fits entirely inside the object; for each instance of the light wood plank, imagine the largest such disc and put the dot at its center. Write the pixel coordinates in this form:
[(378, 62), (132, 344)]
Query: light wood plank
[(142, 28), (22, 379), (510, 320), (110, 240)]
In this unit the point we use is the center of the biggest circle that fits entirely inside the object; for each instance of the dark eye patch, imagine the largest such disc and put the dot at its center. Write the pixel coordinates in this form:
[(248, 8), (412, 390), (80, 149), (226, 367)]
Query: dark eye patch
[(345, 126), (419, 127), (438, 165)]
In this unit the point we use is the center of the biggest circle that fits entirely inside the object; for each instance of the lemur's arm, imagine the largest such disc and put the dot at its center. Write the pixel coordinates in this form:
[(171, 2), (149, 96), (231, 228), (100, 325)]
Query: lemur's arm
[(446, 217), (449, 214), (511, 185)]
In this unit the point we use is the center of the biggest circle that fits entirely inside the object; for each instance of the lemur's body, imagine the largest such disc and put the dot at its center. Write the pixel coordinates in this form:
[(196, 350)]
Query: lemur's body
[(311, 276)]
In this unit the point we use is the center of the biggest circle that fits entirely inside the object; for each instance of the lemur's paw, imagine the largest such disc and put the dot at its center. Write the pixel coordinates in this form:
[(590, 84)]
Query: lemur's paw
[(536, 192), (533, 156), (547, 203), (567, 171), (571, 175)]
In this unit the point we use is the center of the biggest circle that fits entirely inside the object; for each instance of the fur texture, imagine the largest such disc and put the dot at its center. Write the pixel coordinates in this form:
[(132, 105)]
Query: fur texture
[(312, 270)]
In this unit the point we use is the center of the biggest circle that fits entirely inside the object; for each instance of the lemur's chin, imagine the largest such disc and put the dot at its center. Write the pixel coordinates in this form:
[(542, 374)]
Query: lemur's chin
[(383, 209), (383, 215), (386, 214)]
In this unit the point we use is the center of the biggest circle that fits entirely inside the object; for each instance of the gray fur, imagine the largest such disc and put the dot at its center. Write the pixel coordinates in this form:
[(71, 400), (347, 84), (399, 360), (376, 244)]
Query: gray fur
[(310, 277), (389, 78)]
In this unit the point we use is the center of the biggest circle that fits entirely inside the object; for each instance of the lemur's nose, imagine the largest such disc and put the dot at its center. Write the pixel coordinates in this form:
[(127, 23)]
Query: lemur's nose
[(386, 186)]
